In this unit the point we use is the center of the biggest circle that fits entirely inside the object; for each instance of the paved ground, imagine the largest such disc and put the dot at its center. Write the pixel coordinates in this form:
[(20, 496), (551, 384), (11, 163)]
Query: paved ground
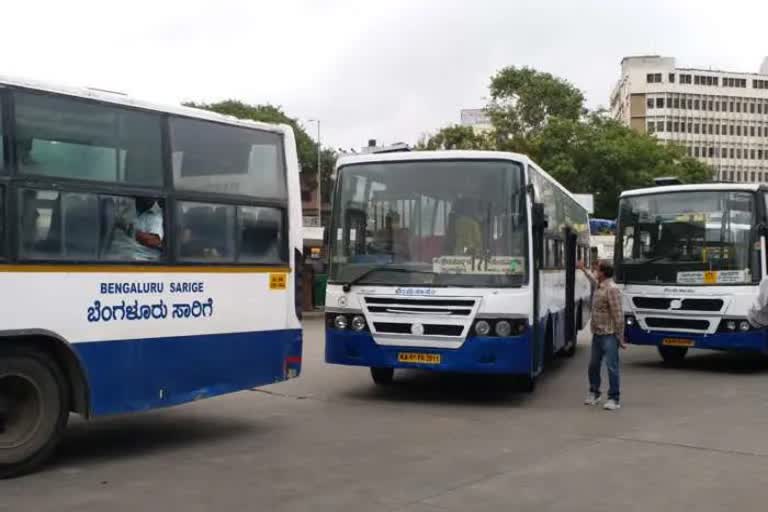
[(690, 439)]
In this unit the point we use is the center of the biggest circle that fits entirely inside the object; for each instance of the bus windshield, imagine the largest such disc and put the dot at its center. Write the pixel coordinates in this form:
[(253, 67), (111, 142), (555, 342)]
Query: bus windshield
[(432, 223), (688, 238)]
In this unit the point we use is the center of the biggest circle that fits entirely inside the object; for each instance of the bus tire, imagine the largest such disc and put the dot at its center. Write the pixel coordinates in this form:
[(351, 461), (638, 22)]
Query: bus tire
[(672, 356), (528, 383), (383, 376), (34, 409)]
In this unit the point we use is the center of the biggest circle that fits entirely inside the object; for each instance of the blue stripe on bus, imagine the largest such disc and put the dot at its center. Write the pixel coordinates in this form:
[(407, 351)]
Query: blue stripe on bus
[(140, 374), (511, 355), (752, 341)]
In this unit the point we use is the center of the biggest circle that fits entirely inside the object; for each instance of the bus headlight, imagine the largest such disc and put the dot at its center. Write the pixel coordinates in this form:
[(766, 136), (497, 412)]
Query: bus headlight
[(731, 325), (630, 321), (340, 322), (744, 326), (482, 328), (358, 323), (503, 328)]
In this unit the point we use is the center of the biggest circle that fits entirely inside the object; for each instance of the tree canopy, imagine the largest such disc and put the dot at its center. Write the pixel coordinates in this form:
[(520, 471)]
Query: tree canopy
[(544, 117)]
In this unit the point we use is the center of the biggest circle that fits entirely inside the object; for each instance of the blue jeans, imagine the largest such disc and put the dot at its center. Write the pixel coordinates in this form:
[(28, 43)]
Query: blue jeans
[(607, 347)]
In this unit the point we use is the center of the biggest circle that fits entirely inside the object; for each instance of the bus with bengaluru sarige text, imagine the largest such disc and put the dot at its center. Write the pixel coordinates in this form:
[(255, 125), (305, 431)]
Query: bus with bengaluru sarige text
[(459, 261), (146, 258), (689, 259)]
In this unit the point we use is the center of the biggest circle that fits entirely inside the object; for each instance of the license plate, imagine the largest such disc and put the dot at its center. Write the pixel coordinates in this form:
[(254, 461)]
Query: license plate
[(677, 342), (416, 357)]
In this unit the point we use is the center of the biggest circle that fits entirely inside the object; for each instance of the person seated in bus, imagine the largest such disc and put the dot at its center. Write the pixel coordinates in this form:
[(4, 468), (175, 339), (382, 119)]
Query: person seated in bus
[(140, 231), (467, 233)]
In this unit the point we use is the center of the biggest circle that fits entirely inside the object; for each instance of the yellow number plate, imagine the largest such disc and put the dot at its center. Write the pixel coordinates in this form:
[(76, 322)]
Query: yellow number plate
[(677, 342), (414, 357)]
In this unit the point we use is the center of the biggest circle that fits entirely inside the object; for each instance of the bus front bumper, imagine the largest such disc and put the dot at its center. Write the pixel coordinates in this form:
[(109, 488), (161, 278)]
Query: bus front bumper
[(507, 355), (752, 341)]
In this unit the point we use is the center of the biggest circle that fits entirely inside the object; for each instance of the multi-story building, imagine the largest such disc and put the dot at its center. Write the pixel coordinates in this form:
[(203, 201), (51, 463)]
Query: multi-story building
[(477, 118), (720, 117)]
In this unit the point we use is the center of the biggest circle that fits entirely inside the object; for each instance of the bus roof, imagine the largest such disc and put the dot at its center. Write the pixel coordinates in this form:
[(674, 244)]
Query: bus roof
[(745, 187), (454, 154), (405, 156), (117, 98)]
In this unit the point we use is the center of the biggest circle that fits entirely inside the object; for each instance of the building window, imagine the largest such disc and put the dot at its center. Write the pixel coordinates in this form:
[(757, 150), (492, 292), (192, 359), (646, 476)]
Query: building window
[(650, 103), (751, 131), (715, 81), (738, 106), (752, 154), (696, 80), (690, 127), (717, 129), (696, 128), (676, 102), (671, 78), (730, 107), (752, 176), (738, 131), (651, 127), (751, 108), (759, 108), (660, 126), (738, 153), (711, 105), (659, 102), (696, 105), (669, 126), (653, 78), (677, 127), (733, 153), (711, 152), (759, 154), (696, 151), (690, 104)]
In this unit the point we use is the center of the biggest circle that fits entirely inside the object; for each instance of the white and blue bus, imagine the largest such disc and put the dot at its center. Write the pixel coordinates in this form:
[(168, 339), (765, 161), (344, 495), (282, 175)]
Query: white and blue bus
[(146, 258), (689, 259), (459, 261)]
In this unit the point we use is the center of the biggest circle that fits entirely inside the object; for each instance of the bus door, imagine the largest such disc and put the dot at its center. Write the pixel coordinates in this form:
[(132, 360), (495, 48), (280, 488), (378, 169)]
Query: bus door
[(570, 287), (539, 225)]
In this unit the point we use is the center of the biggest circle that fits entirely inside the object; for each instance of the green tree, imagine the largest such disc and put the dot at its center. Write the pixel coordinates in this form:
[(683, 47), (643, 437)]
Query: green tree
[(543, 116), (457, 137), (523, 101), (306, 147)]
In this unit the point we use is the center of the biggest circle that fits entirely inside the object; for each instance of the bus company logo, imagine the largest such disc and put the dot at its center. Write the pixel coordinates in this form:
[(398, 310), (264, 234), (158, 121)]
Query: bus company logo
[(417, 329), (415, 292), (676, 304)]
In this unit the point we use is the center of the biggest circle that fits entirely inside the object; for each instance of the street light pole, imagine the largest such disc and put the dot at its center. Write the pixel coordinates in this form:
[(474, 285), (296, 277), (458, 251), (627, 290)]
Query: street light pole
[(319, 177)]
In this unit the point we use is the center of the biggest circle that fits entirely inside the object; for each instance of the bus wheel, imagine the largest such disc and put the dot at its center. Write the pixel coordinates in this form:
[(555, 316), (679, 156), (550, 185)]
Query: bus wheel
[(34, 409), (673, 355), (383, 376), (528, 383)]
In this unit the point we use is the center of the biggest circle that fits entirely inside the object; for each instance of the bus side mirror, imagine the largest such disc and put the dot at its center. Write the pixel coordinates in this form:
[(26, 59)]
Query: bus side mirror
[(538, 216)]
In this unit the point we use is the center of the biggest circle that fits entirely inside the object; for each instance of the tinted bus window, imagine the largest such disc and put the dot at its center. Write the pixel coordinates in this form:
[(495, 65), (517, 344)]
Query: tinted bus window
[(212, 157), (2, 140), (67, 138)]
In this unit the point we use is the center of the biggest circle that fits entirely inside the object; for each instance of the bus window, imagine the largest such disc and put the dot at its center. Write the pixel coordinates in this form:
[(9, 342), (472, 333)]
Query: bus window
[(2, 140), (2, 222), (64, 137), (206, 232), (261, 235), (75, 226), (211, 157)]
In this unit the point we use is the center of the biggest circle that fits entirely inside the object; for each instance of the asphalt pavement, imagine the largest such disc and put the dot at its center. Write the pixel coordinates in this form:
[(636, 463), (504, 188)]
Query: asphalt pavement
[(694, 438)]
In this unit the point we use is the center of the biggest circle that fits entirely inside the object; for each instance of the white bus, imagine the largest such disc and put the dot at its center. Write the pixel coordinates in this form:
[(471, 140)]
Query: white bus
[(690, 259), (459, 261), (146, 258)]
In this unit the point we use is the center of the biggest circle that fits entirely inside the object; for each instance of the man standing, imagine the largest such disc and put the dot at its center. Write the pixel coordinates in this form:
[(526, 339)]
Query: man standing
[(607, 335)]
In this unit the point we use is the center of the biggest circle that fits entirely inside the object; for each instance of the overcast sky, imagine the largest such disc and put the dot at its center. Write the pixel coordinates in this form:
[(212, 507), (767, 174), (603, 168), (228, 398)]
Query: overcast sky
[(390, 70)]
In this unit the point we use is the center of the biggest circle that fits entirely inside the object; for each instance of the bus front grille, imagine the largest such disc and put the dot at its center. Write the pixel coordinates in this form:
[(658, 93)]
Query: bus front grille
[(677, 323)]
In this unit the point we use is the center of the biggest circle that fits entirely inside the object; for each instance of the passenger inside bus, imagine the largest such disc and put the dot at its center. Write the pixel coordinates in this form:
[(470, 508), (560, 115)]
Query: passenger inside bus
[(393, 238), (139, 231), (465, 233)]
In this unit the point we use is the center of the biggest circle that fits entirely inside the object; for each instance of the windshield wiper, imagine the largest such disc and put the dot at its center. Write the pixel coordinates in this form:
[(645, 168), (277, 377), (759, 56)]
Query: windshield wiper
[(348, 285)]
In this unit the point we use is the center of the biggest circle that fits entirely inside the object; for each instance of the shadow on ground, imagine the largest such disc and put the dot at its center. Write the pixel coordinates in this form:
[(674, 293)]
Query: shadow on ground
[(136, 436), (734, 363), (423, 386)]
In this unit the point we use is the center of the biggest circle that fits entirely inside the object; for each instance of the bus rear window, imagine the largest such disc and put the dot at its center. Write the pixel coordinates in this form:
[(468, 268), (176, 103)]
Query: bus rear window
[(212, 157)]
